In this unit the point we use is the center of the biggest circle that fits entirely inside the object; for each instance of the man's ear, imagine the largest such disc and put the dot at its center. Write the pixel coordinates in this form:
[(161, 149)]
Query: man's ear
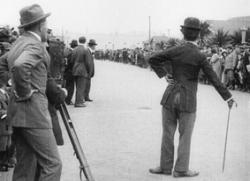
[(181, 30)]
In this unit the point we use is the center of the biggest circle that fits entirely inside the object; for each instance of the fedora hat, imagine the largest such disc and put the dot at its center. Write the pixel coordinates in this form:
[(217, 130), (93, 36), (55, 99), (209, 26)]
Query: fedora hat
[(92, 42), (32, 14), (192, 23)]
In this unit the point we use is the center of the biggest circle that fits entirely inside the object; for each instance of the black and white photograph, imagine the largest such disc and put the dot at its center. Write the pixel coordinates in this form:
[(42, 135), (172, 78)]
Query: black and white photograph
[(125, 90)]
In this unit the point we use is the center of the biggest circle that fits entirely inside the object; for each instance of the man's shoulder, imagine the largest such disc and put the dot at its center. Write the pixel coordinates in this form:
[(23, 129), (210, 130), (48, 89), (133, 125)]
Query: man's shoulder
[(79, 48), (27, 45)]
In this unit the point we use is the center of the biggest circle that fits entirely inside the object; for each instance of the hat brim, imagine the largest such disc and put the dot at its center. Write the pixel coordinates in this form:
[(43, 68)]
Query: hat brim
[(35, 21), (188, 27), (93, 44)]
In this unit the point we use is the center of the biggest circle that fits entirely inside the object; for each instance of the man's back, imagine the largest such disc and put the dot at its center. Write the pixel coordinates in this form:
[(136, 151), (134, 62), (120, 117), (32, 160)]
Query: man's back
[(28, 62), (79, 59), (185, 61)]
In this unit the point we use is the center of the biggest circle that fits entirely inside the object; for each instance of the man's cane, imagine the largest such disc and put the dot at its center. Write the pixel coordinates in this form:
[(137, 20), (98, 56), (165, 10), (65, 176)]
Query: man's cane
[(225, 147), (228, 118)]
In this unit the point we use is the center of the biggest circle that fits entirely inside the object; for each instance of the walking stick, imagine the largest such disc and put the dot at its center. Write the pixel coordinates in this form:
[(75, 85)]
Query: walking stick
[(225, 146), (84, 167)]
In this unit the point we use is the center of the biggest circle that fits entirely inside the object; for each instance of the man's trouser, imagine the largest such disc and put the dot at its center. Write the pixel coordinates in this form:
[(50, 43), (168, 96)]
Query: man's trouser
[(80, 88), (185, 121), (87, 88), (70, 86), (36, 146)]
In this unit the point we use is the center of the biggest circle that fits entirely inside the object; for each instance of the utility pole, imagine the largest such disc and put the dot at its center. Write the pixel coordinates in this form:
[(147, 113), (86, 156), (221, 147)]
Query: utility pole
[(149, 30), (62, 34)]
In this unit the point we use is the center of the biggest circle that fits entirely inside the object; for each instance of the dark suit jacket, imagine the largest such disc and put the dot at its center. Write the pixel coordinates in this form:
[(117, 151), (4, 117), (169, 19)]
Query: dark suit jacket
[(186, 61), (69, 66), (82, 64), (90, 60), (4, 69)]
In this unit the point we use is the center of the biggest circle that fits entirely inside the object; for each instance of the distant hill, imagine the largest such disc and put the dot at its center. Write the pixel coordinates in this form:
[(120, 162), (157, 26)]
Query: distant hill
[(231, 25)]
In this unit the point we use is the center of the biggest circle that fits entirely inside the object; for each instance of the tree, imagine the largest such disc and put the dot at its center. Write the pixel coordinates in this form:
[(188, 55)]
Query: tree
[(248, 35), (173, 42), (220, 38), (236, 37), (205, 32)]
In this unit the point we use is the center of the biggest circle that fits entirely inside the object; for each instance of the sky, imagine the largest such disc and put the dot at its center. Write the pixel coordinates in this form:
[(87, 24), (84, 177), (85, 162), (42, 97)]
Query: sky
[(74, 17)]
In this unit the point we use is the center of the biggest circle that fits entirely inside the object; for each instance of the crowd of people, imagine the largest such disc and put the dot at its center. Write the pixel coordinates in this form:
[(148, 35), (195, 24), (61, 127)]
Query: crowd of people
[(137, 56), (231, 63)]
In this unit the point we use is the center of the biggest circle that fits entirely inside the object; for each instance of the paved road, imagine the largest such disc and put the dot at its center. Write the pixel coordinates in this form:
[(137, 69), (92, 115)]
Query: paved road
[(121, 130)]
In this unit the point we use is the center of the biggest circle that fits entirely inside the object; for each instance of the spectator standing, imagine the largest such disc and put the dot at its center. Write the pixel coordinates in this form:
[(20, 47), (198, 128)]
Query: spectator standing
[(68, 74), (28, 113), (230, 65), (90, 68), (216, 63), (80, 71)]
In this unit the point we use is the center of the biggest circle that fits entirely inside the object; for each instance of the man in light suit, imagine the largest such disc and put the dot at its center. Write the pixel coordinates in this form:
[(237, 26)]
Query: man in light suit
[(28, 113), (183, 63), (80, 71), (91, 68)]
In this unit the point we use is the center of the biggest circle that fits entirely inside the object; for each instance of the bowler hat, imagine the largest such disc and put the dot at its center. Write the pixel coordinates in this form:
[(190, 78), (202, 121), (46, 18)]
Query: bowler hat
[(82, 39), (73, 43), (229, 46), (32, 14), (192, 23), (92, 42)]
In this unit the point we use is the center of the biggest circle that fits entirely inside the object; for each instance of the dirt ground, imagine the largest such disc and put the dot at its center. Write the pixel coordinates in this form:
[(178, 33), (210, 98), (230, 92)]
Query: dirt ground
[(120, 131)]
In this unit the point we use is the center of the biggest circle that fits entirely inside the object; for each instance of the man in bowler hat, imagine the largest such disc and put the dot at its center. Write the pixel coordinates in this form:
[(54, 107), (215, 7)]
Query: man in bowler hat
[(28, 113), (90, 59), (181, 64)]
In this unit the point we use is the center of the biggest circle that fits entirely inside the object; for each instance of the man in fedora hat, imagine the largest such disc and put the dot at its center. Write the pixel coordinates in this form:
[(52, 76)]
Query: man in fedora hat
[(182, 65), (90, 59), (28, 62)]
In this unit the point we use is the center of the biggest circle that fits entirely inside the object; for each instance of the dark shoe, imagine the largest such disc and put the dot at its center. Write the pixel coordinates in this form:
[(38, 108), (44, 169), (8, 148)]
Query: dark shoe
[(185, 174), (158, 170), (89, 100), (80, 105), (69, 103)]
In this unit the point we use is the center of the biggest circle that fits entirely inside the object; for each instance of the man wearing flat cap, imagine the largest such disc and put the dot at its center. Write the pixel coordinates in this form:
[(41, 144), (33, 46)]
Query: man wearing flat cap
[(181, 64), (28, 113)]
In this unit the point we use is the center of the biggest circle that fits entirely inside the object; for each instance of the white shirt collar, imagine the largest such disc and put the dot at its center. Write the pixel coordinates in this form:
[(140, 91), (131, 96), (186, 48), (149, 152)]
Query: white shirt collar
[(193, 42), (92, 51), (2, 90), (81, 44), (36, 35)]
